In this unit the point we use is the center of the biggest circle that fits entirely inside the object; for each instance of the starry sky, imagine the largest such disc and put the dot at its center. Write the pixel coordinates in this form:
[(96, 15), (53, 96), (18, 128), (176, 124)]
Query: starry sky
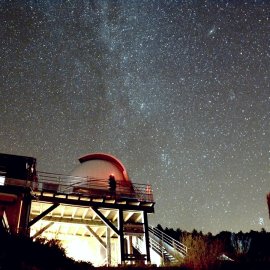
[(179, 91)]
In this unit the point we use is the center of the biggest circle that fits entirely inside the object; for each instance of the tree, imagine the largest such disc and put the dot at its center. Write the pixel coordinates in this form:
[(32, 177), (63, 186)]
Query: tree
[(202, 251), (240, 243)]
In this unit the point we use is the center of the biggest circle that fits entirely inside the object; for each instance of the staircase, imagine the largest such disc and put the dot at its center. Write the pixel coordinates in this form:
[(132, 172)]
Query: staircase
[(170, 250), (167, 249)]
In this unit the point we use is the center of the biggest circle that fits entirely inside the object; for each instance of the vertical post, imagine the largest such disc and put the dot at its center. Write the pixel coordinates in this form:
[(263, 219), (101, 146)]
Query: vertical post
[(268, 202), (162, 250), (108, 236), (130, 247), (146, 236), (121, 236), (25, 213)]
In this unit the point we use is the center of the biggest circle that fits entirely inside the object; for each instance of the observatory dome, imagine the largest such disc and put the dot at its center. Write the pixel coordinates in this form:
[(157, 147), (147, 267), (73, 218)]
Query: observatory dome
[(100, 166)]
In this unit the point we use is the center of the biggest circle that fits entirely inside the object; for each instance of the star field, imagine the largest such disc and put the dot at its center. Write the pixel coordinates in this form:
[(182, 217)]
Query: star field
[(179, 91)]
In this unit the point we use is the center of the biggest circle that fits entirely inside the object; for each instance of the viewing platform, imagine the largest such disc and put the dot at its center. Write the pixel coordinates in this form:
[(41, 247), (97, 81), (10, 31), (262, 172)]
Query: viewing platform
[(93, 188), (64, 188)]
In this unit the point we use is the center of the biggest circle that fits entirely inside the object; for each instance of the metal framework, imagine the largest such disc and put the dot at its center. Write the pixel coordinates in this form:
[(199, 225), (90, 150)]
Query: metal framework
[(66, 207)]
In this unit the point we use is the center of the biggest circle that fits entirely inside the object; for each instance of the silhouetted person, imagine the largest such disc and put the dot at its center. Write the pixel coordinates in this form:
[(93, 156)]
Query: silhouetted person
[(112, 184)]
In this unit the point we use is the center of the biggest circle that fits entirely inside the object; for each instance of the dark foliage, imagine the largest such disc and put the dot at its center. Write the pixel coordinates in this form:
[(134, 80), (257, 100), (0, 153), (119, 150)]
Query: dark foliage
[(247, 250), (22, 253)]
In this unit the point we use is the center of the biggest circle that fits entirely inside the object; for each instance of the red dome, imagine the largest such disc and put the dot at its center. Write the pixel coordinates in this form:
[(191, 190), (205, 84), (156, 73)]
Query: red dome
[(100, 166)]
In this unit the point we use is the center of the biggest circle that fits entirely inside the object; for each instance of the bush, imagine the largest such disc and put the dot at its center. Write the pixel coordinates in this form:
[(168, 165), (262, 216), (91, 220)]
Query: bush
[(202, 252), (22, 253)]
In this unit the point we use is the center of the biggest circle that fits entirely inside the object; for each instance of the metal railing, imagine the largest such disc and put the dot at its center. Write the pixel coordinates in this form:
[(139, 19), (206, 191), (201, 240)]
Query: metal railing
[(87, 186), (161, 251), (166, 239)]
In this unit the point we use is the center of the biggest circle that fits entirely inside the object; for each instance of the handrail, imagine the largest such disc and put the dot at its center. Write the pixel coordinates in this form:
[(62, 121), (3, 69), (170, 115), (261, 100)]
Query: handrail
[(138, 244), (178, 246), (87, 186), (90, 185), (160, 248), (156, 245)]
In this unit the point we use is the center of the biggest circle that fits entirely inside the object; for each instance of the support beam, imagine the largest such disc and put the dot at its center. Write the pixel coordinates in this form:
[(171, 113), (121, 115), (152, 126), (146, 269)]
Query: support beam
[(42, 230), (43, 214), (107, 213), (96, 236), (138, 219), (63, 210), (25, 214), (115, 217), (85, 213), (128, 216), (121, 236), (4, 220), (130, 246), (91, 203), (108, 239), (76, 221), (146, 236), (105, 220)]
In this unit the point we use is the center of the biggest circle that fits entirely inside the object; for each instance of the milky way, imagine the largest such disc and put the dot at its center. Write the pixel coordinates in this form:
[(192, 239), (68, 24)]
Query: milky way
[(177, 90)]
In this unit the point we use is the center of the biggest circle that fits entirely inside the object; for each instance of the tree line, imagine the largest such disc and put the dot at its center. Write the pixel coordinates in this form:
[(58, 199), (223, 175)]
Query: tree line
[(204, 250)]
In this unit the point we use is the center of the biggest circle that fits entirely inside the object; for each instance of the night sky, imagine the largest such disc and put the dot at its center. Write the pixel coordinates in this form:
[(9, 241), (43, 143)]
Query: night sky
[(179, 91)]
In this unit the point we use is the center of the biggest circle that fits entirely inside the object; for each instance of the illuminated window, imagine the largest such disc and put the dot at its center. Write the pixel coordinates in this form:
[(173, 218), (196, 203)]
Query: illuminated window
[(2, 180)]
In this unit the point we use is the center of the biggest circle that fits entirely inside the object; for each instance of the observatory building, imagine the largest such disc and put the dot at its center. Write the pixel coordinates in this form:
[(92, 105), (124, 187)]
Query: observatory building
[(97, 208), (96, 211)]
